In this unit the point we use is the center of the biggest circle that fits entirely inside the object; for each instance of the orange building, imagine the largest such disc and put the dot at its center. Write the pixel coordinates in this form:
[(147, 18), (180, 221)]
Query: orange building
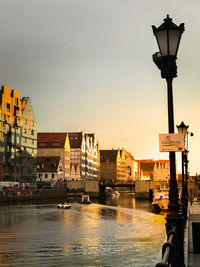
[(10, 106), (18, 149), (154, 170)]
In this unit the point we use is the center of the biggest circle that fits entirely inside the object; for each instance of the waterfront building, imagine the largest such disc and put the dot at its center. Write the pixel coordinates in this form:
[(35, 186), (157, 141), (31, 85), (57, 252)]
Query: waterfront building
[(28, 142), (55, 145), (1, 145), (50, 170), (10, 106), (78, 152), (98, 162), (83, 156), (17, 135), (131, 167), (154, 170), (112, 166)]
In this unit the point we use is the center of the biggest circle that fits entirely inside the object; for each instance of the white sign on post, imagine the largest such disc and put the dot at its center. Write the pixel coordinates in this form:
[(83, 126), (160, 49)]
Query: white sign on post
[(171, 142)]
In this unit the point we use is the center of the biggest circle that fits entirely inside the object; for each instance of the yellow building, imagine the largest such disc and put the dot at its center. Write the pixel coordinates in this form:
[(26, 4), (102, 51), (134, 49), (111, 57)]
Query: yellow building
[(10, 106), (112, 166)]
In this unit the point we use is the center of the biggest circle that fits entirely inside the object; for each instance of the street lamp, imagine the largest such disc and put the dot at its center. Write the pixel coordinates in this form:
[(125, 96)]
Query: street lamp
[(186, 166), (168, 36), (182, 129)]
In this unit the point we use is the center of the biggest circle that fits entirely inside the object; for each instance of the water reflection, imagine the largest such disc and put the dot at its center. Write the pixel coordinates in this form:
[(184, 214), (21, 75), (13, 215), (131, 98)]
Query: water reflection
[(122, 232)]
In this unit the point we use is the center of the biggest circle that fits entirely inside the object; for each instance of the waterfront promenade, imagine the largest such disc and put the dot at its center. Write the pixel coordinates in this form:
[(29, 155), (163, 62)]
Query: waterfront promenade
[(194, 216)]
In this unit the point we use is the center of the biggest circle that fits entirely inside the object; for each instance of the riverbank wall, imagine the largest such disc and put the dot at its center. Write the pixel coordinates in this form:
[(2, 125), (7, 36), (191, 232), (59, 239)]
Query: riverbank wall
[(144, 189), (71, 190)]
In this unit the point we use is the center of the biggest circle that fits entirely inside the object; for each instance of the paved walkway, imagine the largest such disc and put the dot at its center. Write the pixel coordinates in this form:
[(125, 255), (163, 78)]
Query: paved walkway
[(194, 216)]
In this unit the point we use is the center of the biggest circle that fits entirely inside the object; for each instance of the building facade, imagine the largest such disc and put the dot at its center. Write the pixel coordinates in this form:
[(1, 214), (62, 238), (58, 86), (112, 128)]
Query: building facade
[(112, 166), (13, 114), (28, 142), (131, 167), (77, 150), (50, 170), (55, 145), (83, 156), (10, 106), (154, 170)]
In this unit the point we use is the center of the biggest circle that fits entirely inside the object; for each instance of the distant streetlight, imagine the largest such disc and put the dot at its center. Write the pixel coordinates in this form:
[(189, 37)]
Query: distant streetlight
[(168, 36), (182, 129)]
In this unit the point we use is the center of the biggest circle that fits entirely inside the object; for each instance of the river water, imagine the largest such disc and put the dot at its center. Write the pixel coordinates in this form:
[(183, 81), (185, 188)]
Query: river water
[(118, 232)]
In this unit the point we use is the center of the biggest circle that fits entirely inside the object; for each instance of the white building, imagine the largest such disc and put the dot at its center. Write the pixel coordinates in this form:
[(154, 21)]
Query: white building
[(83, 156), (49, 170)]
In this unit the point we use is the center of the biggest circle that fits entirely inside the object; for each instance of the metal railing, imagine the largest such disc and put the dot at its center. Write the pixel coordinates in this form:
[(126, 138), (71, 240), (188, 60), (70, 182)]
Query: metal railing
[(168, 249)]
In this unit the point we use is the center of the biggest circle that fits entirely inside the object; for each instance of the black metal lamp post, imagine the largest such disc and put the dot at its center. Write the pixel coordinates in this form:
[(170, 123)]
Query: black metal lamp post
[(186, 165), (182, 129), (168, 37), (186, 161)]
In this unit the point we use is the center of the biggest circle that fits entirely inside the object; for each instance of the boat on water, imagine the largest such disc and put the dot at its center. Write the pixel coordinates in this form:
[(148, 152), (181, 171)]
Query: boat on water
[(65, 205), (161, 197), (85, 199), (111, 192)]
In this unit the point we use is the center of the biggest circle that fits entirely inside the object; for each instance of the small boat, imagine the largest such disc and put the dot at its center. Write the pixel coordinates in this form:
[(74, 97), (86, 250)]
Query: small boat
[(161, 203), (111, 192), (85, 199), (161, 197), (65, 205)]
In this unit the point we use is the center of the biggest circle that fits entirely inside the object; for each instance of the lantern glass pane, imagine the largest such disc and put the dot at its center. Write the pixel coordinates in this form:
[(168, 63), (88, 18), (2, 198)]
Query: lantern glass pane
[(174, 36), (182, 130), (162, 42)]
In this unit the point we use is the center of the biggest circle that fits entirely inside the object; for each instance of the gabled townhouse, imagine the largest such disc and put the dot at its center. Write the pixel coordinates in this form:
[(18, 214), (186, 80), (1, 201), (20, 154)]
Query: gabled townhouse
[(112, 166), (50, 170), (154, 170), (83, 156), (131, 167), (77, 150), (28, 153), (55, 144)]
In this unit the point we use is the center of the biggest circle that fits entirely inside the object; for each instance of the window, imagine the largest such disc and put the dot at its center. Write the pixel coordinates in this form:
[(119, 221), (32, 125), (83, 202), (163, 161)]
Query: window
[(52, 175), (16, 101), (46, 175), (32, 132), (8, 107)]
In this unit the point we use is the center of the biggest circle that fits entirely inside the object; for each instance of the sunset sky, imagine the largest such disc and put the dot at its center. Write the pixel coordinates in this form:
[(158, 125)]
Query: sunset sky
[(87, 66)]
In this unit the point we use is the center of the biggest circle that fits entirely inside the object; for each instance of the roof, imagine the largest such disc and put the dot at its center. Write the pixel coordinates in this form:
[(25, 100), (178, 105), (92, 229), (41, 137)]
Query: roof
[(108, 155), (75, 139), (129, 155), (24, 101), (47, 164), (51, 140)]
